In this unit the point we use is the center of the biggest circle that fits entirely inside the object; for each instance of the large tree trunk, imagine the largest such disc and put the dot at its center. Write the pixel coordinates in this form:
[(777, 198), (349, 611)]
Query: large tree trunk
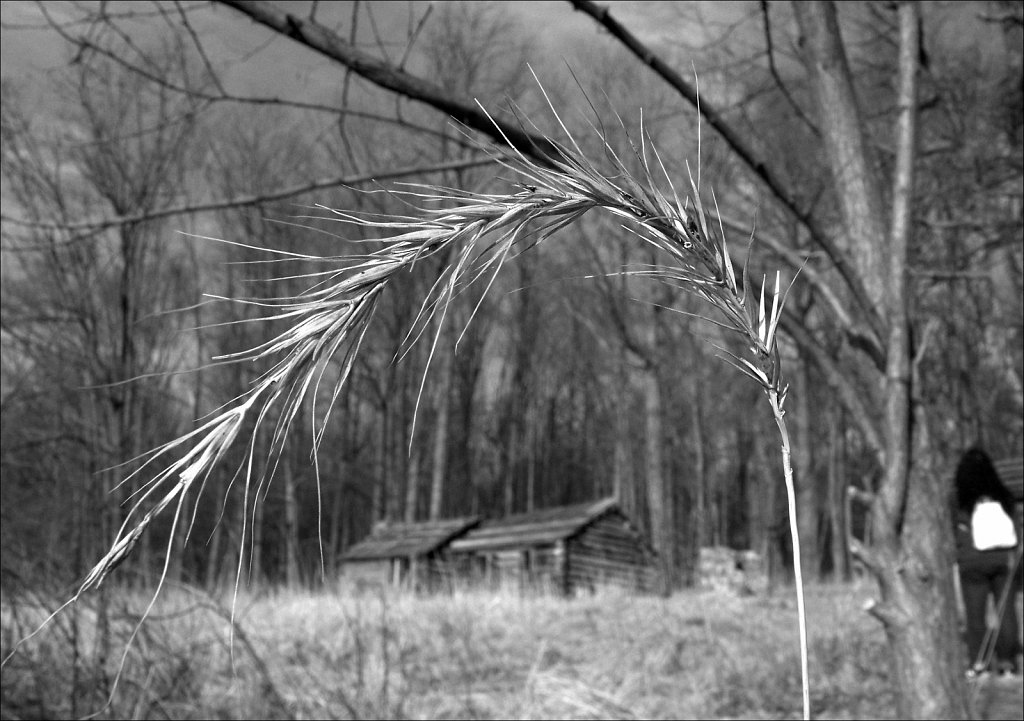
[(910, 556), (918, 605), (843, 131)]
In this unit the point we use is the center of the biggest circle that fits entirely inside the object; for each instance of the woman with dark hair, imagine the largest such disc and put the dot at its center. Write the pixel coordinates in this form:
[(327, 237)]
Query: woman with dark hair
[(983, 573)]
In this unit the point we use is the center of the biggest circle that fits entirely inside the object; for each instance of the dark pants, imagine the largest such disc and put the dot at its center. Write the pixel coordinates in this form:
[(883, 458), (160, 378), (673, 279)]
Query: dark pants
[(981, 576)]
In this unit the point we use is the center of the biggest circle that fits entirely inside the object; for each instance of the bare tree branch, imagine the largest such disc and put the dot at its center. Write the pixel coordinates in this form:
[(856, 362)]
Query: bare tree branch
[(84, 44), (745, 153), (325, 41), (859, 336), (199, 47), (898, 398), (251, 199), (414, 35), (775, 72), (328, 43)]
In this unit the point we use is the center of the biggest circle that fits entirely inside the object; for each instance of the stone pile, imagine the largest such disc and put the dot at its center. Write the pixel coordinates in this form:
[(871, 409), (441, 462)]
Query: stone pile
[(732, 571)]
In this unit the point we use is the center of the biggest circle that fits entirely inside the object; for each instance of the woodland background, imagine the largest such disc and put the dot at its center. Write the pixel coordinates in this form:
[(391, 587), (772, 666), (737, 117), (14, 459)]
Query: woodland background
[(572, 382)]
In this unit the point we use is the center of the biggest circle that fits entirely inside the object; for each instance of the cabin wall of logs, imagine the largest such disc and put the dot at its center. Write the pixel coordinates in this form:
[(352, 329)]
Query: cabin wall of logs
[(564, 550)]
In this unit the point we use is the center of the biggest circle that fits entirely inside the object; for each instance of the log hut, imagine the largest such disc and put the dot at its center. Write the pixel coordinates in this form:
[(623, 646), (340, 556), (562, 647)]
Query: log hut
[(562, 550), (410, 555)]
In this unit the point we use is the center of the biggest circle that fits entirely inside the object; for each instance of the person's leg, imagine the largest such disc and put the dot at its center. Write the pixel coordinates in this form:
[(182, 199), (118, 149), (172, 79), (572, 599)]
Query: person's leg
[(1006, 638), (974, 587)]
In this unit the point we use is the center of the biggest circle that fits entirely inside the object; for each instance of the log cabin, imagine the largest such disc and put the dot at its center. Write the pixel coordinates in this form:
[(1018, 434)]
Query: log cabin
[(562, 550), (406, 555)]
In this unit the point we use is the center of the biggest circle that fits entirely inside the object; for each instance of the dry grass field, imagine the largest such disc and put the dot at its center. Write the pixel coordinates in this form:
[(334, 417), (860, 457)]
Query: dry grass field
[(296, 654)]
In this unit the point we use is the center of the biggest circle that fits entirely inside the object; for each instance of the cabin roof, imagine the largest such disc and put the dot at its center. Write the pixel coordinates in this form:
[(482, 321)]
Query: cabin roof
[(393, 540), (1011, 472), (537, 527)]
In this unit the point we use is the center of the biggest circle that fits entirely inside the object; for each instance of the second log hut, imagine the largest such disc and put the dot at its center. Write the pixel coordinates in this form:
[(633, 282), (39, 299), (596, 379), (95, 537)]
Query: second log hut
[(410, 555), (563, 550)]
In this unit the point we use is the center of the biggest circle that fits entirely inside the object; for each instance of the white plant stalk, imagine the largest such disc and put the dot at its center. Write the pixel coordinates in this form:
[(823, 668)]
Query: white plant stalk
[(794, 533), (327, 323)]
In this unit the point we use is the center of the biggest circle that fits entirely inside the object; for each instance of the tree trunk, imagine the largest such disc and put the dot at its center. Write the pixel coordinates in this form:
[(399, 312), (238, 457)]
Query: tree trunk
[(176, 571), (335, 522), (439, 468), (510, 455), (760, 508), (659, 498), (378, 510), (620, 458), (853, 171), (256, 544), (699, 477), (623, 476), (837, 496), (918, 603), (531, 464), (803, 467), (126, 395), (412, 478), (291, 522), (211, 572), (231, 561), (911, 554)]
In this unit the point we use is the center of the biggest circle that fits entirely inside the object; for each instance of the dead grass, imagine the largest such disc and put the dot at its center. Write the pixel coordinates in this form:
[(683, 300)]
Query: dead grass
[(297, 654)]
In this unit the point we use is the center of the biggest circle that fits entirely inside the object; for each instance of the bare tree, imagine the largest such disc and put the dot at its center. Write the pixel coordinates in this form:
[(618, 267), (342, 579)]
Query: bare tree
[(82, 308)]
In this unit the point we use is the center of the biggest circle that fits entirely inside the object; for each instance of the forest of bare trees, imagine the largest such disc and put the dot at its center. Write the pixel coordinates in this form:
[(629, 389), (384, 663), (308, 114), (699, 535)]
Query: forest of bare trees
[(876, 148)]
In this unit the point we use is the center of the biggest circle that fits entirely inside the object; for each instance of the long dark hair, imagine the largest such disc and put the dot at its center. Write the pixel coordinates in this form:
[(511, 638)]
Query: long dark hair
[(977, 477)]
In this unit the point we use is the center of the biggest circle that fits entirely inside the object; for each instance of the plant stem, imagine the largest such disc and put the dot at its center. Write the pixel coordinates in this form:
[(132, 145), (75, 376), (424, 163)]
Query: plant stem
[(787, 467)]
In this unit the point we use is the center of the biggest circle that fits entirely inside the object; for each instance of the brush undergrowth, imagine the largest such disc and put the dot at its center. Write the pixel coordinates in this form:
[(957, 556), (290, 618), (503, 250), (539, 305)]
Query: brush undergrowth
[(295, 654)]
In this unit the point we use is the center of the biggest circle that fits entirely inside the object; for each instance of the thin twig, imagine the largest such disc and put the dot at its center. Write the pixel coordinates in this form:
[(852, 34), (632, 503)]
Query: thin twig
[(256, 199), (775, 72)]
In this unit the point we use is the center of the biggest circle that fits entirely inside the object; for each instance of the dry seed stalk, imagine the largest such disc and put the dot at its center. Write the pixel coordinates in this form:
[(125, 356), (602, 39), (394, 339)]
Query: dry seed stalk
[(329, 321)]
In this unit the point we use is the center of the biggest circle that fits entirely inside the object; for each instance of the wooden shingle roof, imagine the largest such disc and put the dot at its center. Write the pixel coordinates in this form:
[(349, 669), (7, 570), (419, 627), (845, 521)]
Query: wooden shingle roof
[(1011, 472), (402, 540), (537, 527)]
